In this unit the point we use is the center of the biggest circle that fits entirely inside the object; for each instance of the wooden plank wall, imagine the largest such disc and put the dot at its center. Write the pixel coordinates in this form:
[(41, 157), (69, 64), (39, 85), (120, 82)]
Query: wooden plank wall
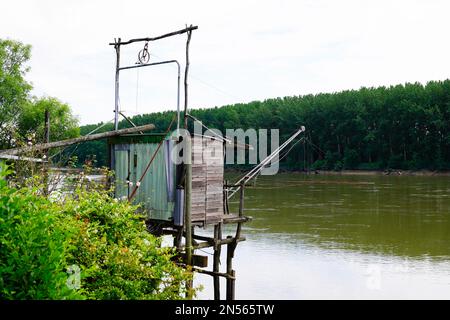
[(207, 180)]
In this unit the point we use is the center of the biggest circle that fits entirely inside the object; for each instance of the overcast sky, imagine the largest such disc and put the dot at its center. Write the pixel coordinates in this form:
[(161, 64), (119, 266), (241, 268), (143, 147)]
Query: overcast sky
[(242, 51)]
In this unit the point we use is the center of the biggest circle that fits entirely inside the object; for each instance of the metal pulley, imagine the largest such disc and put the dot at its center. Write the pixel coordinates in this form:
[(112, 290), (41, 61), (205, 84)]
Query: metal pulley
[(144, 55)]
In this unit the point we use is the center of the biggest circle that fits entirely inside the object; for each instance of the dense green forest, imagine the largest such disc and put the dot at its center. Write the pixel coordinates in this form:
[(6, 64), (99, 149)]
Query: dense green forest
[(399, 127)]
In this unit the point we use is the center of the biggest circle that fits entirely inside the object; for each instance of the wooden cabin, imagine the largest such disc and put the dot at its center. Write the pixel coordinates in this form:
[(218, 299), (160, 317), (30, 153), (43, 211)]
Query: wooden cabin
[(207, 180), (158, 194)]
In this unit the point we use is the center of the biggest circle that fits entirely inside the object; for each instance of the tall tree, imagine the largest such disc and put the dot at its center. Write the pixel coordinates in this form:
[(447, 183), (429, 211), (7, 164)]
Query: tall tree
[(63, 124), (14, 89)]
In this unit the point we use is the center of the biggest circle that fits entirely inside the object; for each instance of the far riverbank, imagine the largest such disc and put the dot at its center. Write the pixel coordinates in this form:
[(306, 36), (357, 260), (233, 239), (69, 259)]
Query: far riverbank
[(392, 172)]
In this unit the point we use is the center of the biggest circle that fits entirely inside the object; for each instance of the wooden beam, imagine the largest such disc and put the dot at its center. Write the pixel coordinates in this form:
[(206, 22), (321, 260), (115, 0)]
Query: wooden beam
[(188, 176), (197, 260), (68, 142), (236, 219), (203, 245), (230, 281), (212, 273), (216, 263), (188, 29), (11, 157)]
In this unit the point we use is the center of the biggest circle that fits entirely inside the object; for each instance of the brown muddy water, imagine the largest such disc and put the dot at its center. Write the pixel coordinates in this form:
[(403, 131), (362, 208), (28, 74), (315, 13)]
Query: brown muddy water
[(343, 237)]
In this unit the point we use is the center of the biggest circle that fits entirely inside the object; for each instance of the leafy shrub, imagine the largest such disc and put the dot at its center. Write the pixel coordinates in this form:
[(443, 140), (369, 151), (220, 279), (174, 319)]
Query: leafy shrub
[(104, 238), (33, 249), (118, 257)]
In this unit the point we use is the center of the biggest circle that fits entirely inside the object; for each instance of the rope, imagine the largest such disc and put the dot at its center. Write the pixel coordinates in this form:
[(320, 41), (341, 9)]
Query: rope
[(137, 89), (150, 162), (212, 131), (206, 83), (287, 151), (315, 146), (257, 169), (245, 174)]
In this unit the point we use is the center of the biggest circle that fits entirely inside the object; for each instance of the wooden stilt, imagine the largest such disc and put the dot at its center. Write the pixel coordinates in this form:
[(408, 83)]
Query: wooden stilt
[(230, 281), (187, 216), (177, 236), (47, 140), (188, 175), (241, 212), (216, 263), (231, 247)]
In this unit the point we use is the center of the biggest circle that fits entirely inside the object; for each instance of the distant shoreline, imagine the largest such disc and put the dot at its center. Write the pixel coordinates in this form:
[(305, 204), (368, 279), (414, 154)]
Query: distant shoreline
[(425, 173), (391, 172)]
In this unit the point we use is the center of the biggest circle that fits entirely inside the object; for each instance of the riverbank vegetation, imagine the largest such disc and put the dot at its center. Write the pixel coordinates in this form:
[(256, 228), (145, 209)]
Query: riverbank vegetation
[(22, 114), (398, 127), (67, 244), (83, 245)]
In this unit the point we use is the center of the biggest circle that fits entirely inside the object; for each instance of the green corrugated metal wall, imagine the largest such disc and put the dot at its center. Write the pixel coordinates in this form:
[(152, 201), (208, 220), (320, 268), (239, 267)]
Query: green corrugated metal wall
[(130, 161)]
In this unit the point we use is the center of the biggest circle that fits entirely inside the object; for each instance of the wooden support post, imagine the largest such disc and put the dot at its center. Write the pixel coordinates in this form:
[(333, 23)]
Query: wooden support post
[(233, 285), (47, 126), (227, 208), (188, 174), (230, 271), (187, 211), (216, 263), (177, 236), (46, 140), (224, 197), (241, 212), (116, 89), (231, 247)]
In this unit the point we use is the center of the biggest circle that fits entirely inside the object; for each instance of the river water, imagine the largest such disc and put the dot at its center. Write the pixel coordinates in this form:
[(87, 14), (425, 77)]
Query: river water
[(343, 237)]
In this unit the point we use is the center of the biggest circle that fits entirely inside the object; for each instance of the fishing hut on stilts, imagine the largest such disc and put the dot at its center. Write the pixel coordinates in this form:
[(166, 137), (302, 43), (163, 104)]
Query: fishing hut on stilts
[(178, 197), (175, 197)]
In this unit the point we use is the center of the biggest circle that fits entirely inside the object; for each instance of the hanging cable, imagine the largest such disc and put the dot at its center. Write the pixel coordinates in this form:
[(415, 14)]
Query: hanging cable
[(137, 89), (210, 130), (206, 83), (279, 148), (258, 168)]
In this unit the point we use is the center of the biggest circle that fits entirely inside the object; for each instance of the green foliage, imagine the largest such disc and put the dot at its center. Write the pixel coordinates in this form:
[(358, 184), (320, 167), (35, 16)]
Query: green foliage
[(403, 126), (22, 117), (118, 259), (351, 159), (14, 88), (372, 166), (63, 125), (33, 250)]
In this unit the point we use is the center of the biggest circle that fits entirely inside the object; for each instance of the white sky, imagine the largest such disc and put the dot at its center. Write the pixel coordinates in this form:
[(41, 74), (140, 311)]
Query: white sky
[(242, 51)]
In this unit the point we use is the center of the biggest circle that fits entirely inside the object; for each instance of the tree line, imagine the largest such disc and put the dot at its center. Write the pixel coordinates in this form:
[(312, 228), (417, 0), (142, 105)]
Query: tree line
[(22, 114), (398, 127)]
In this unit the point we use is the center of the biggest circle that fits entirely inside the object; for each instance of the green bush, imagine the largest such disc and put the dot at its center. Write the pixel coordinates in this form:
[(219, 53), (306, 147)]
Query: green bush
[(33, 249), (44, 243)]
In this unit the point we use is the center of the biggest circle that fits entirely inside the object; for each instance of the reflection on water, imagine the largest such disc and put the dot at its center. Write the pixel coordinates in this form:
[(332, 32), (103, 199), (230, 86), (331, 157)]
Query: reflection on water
[(344, 237)]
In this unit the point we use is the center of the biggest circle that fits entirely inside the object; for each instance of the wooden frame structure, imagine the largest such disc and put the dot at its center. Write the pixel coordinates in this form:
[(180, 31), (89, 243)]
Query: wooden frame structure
[(205, 195)]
